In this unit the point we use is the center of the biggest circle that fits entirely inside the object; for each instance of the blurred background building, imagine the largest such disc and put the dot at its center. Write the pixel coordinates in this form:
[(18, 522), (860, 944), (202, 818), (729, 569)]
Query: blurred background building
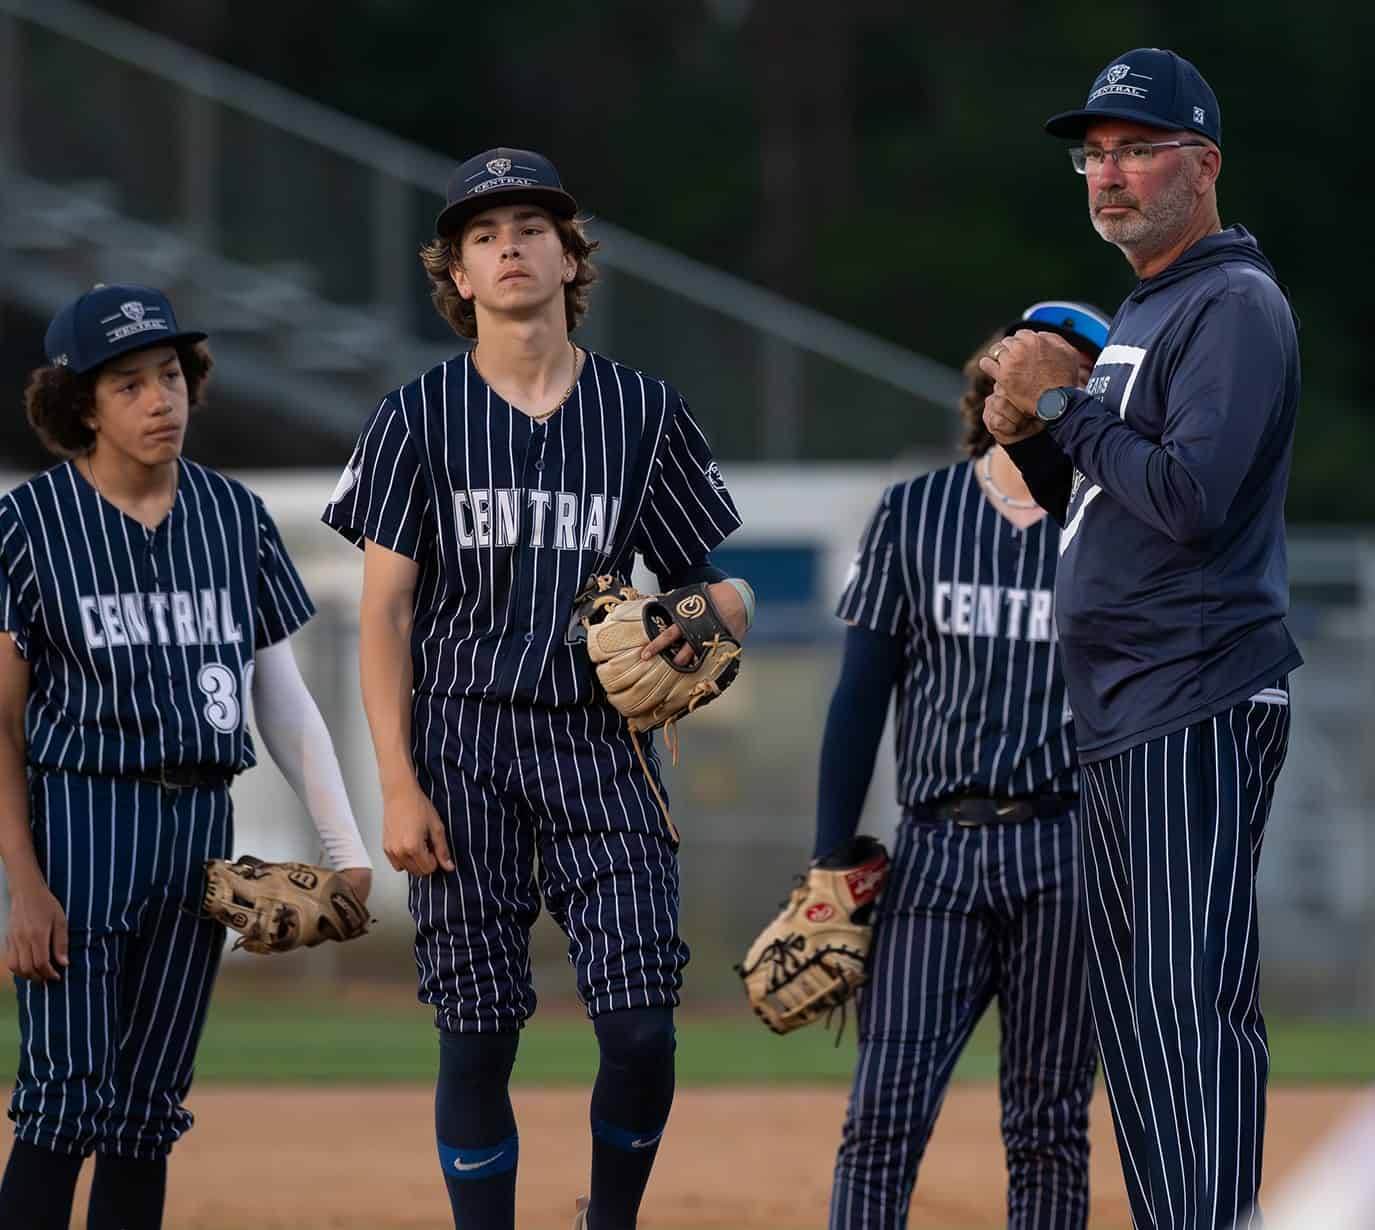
[(809, 214)]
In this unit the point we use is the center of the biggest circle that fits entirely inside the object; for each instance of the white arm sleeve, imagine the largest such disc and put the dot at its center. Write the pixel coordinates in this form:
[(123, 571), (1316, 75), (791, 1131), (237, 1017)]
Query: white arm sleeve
[(298, 739)]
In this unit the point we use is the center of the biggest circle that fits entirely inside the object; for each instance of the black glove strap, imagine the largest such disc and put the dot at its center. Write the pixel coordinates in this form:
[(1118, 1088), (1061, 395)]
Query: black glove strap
[(691, 608)]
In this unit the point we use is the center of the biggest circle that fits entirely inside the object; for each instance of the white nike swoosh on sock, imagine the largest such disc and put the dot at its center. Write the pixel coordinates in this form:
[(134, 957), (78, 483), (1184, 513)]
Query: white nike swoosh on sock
[(486, 1161)]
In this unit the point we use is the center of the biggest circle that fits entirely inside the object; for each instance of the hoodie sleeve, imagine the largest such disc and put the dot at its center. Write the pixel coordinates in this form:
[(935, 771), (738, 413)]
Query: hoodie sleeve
[(1049, 474), (1227, 386)]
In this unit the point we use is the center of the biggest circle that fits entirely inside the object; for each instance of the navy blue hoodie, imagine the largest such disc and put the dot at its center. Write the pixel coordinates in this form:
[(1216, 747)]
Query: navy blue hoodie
[(1173, 580)]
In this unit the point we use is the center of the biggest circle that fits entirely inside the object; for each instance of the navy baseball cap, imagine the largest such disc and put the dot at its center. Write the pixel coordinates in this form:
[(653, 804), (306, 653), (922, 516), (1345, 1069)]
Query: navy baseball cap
[(1080, 324), (111, 320), (503, 177), (1152, 86)]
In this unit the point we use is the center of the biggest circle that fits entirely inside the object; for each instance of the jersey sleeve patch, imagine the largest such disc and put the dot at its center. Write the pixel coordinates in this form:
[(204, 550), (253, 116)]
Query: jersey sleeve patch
[(382, 495), (689, 511)]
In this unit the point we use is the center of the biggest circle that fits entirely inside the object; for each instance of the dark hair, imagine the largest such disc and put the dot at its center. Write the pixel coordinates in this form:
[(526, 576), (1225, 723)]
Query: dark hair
[(60, 402), (439, 257), (977, 439)]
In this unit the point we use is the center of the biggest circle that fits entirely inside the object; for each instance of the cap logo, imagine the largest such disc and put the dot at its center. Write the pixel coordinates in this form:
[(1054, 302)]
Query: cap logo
[(499, 166), (1198, 115), (139, 318), (1115, 83)]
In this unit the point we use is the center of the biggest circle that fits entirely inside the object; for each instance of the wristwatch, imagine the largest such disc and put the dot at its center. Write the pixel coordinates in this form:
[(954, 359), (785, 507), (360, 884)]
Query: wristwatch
[(1052, 404)]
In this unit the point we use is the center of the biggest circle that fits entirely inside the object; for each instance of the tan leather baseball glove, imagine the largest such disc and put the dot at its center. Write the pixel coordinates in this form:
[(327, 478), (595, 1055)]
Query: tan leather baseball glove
[(621, 621), (811, 959), (276, 907)]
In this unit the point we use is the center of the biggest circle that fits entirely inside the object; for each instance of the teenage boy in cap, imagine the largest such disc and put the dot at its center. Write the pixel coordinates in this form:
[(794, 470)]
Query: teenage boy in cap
[(485, 494), (1170, 602), (949, 607), (143, 597)]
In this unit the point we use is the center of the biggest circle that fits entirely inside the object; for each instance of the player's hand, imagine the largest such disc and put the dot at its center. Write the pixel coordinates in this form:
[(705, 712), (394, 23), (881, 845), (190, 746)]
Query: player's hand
[(360, 880), (729, 605), (1005, 422), (413, 834), (1028, 363), (669, 637), (36, 947)]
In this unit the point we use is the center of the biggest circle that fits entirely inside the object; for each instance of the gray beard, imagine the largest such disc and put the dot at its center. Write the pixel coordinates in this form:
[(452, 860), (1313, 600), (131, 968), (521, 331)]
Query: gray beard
[(1152, 228)]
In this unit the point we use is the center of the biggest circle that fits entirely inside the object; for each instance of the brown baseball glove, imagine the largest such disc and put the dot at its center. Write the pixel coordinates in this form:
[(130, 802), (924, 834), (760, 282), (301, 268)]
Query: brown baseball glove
[(811, 959), (620, 621), (276, 907)]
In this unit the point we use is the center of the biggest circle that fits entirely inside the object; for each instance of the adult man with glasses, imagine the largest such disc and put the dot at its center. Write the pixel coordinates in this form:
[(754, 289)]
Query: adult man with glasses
[(1169, 474)]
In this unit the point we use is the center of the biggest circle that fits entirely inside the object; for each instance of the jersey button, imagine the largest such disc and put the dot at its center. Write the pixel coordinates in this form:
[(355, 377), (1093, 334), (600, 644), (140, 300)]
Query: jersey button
[(529, 636), (539, 465)]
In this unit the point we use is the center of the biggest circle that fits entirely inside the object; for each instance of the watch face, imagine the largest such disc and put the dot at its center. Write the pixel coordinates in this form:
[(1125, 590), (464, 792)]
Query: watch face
[(1051, 405)]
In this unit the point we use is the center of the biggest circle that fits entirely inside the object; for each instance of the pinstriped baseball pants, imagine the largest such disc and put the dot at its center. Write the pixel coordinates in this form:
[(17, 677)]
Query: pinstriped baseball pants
[(106, 1055), (1172, 834), (971, 915)]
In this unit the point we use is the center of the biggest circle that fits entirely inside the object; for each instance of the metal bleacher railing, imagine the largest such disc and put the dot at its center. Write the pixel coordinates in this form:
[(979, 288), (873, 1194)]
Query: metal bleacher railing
[(294, 228)]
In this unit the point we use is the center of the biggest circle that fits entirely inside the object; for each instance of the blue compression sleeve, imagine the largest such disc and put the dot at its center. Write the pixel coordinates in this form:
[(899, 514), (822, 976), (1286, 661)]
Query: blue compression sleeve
[(854, 726)]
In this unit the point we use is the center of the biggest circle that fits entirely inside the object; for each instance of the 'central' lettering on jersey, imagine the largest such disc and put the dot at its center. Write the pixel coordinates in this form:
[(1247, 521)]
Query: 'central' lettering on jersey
[(178, 617), (961, 609), (512, 516)]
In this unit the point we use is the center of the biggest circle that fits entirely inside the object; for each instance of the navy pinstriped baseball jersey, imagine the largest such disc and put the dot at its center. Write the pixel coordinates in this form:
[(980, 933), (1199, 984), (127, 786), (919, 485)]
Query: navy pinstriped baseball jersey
[(140, 642), (530, 769), (981, 707), (507, 516), (140, 646)]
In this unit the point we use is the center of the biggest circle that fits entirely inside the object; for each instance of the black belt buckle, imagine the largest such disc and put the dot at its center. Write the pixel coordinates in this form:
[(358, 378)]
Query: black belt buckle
[(970, 812)]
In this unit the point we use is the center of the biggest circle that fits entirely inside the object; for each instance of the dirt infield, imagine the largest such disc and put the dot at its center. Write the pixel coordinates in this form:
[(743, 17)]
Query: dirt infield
[(733, 1159)]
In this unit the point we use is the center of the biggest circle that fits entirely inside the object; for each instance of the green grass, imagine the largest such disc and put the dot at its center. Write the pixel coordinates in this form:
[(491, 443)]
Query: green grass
[(386, 1037)]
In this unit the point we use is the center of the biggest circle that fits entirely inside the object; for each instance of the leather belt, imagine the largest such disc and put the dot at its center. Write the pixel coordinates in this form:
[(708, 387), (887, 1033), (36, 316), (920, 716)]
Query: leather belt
[(186, 776), (973, 810)]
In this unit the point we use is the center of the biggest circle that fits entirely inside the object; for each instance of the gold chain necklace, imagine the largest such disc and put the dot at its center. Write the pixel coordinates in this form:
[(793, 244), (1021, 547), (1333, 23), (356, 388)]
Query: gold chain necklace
[(567, 393)]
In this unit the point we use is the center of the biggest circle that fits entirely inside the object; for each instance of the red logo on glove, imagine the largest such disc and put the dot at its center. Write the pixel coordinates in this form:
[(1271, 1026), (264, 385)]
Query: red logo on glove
[(865, 882), (819, 912)]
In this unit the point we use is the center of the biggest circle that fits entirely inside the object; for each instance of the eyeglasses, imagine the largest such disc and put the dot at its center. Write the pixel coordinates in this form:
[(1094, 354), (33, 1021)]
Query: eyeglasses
[(1131, 159), (1073, 317)]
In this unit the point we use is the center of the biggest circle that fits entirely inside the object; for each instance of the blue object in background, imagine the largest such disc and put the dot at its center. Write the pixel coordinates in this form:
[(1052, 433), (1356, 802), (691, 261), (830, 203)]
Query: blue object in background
[(786, 577)]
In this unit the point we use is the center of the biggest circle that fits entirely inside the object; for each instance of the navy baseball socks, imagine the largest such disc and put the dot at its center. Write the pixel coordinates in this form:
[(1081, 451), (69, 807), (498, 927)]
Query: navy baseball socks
[(127, 1193), (475, 1128), (38, 1188), (630, 1105)]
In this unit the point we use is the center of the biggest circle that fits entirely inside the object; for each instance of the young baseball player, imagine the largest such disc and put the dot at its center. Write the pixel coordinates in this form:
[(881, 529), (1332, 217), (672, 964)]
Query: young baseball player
[(1170, 473), (485, 494), (143, 600), (949, 607)]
